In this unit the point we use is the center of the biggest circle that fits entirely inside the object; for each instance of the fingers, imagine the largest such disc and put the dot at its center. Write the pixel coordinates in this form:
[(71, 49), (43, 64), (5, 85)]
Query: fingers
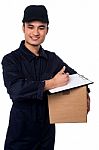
[(62, 70), (67, 78), (61, 78), (67, 74), (88, 103)]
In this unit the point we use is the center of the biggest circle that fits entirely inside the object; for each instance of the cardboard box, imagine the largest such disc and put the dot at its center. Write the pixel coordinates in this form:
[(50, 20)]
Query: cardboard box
[(68, 106)]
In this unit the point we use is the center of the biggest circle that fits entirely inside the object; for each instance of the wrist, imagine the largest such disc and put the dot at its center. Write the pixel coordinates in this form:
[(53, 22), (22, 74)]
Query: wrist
[(49, 84)]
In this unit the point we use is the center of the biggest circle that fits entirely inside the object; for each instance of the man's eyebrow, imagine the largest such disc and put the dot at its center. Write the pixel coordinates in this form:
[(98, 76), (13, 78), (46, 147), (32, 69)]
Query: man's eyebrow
[(42, 25), (38, 26), (29, 24)]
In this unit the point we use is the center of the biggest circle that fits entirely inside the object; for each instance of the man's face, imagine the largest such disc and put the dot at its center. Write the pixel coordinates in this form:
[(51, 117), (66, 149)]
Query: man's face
[(35, 32)]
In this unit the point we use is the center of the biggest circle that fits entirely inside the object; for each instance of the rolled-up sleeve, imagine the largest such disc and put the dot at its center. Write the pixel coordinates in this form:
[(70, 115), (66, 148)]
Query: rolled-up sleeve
[(18, 87)]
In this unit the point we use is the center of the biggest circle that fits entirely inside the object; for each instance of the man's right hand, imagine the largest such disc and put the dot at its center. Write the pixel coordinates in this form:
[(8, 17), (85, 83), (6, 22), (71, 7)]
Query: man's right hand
[(60, 79)]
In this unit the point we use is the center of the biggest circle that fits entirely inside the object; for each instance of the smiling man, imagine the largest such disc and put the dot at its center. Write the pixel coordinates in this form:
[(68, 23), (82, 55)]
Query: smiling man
[(29, 72), (35, 33)]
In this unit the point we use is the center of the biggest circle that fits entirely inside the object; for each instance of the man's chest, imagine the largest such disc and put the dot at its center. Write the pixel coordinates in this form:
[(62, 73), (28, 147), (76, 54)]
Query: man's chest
[(37, 69)]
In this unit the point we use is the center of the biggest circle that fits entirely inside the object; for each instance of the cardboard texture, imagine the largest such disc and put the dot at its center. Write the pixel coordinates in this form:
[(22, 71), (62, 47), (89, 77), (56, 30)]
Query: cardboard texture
[(68, 106)]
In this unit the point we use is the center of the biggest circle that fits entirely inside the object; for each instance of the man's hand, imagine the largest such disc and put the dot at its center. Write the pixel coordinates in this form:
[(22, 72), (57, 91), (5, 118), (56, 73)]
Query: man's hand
[(60, 79), (88, 103)]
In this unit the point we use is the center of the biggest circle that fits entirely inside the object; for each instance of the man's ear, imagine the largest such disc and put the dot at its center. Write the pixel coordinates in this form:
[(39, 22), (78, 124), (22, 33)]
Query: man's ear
[(23, 28), (47, 30)]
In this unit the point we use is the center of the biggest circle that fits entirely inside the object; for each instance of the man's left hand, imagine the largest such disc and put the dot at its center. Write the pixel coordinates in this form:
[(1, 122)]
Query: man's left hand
[(88, 103)]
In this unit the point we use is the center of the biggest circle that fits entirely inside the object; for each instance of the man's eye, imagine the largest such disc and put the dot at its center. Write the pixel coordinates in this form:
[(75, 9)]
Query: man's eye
[(30, 27), (41, 28)]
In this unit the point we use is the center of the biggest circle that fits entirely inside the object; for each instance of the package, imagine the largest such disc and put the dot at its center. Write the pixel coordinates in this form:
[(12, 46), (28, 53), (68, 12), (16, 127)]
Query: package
[(68, 106)]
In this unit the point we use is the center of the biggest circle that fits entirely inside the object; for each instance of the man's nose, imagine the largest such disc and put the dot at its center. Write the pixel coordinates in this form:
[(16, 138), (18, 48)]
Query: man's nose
[(36, 31)]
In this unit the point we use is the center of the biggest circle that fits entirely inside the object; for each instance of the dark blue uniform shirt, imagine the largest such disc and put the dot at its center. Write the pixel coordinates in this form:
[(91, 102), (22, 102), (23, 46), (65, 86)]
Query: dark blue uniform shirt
[(24, 75)]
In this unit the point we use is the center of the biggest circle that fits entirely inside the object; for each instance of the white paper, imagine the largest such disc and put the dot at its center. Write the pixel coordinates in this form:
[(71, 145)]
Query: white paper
[(76, 80)]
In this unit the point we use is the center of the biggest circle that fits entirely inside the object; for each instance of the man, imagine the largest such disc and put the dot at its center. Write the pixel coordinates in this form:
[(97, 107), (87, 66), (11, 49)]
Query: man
[(29, 72)]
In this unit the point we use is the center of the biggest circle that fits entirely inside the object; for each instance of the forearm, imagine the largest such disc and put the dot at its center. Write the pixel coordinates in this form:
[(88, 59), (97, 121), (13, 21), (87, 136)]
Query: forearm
[(24, 89), (49, 84)]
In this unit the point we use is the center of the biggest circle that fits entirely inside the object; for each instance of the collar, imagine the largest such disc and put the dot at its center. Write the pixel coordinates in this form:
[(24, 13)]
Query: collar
[(29, 55)]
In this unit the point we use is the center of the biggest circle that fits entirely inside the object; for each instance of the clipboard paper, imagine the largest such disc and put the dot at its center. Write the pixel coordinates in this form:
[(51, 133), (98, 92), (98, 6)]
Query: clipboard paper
[(76, 80)]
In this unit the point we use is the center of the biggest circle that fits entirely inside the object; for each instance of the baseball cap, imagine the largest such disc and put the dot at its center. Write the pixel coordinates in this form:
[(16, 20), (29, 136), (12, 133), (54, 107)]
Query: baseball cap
[(35, 13)]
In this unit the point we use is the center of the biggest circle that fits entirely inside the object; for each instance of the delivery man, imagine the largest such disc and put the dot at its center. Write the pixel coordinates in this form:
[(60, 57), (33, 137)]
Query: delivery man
[(29, 72)]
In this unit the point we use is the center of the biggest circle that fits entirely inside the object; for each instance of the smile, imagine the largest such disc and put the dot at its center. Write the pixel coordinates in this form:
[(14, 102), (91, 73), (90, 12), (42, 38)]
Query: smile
[(34, 38)]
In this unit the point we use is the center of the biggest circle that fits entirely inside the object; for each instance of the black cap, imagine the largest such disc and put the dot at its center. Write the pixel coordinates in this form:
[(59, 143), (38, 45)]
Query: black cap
[(35, 13)]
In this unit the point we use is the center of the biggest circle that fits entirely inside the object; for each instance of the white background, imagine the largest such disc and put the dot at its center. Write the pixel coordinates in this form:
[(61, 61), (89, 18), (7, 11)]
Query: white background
[(74, 36)]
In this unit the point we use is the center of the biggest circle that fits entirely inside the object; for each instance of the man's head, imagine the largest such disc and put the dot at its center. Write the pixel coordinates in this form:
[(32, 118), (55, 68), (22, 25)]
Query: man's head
[(35, 13), (35, 25)]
